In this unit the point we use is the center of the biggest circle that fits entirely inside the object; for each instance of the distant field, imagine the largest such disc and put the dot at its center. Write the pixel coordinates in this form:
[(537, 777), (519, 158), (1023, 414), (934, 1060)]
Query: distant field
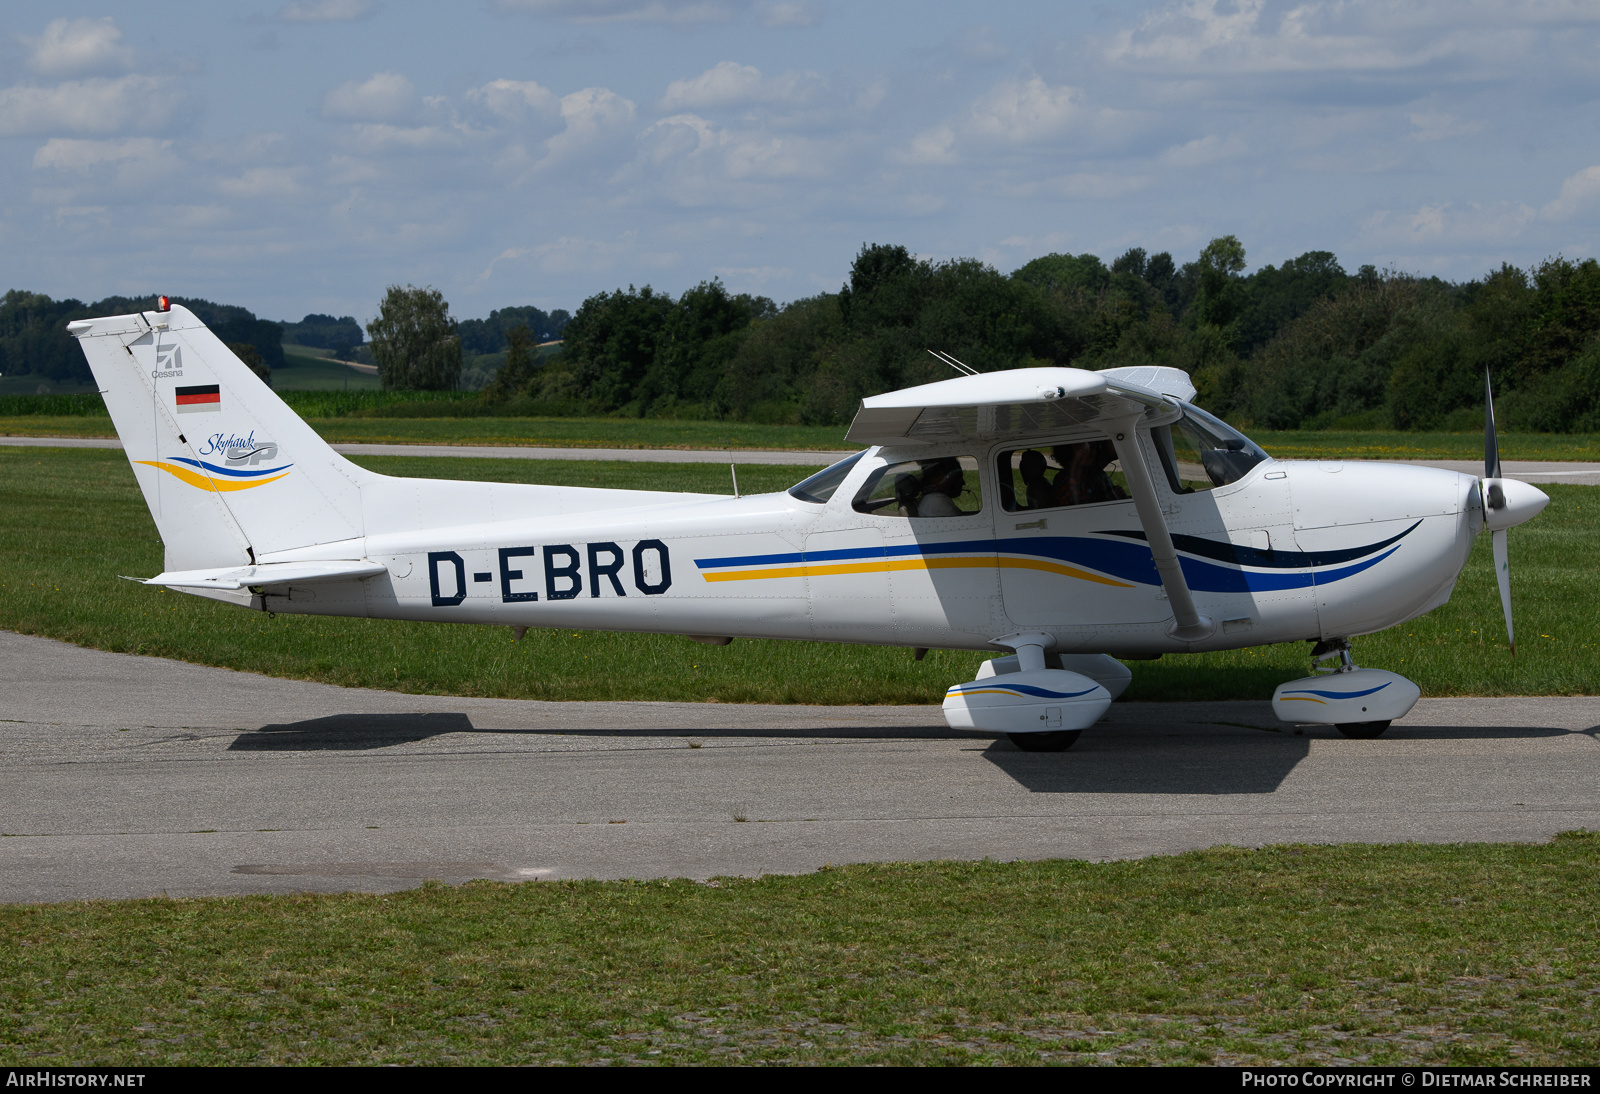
[(75, 520), (302, 372), (1465, 954)]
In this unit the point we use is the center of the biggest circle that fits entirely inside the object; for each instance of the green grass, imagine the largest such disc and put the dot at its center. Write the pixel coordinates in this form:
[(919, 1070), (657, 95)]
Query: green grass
[(302, 372), (1454, 955), (74, 520)]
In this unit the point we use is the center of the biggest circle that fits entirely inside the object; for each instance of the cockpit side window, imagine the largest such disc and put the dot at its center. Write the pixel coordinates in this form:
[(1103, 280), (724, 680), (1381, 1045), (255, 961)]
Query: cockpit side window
[(1052, 476), (1201, 452), (821, 486), (944, 487)]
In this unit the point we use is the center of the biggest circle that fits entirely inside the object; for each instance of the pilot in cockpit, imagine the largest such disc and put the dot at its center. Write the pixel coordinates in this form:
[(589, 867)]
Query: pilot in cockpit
[(942, 483)]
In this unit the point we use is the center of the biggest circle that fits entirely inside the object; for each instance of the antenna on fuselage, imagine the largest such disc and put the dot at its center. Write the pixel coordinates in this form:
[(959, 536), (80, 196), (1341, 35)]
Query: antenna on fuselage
[(965, 370)]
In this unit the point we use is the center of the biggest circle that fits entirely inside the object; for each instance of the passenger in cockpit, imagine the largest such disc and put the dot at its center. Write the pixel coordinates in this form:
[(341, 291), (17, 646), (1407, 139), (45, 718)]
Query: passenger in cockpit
[(1032, 466)]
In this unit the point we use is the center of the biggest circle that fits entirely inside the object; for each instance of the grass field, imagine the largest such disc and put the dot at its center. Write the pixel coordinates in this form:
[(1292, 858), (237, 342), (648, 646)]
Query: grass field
[(1409, 954), (74, 520)]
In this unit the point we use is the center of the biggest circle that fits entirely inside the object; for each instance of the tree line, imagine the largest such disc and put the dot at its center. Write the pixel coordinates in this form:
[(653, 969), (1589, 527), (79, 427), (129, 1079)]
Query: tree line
[(1304, 344), (34, 340)]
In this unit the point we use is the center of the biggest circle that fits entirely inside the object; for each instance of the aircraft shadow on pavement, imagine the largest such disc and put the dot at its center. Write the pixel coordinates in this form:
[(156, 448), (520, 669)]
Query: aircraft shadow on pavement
[(361, 732), (1141, 766), (349, 732), (1199, 761)]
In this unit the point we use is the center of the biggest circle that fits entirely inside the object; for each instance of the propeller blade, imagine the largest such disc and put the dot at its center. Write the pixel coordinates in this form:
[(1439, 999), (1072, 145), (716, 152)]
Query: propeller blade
[(1502, 574), (1491, 443)]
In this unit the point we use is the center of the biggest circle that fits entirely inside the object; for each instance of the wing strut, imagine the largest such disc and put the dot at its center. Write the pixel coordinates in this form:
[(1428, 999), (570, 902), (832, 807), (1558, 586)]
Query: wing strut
[(1189, 625)]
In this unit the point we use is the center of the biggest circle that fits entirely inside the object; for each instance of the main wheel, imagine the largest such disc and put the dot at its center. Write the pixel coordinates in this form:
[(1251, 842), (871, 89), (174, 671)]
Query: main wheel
[(1362, 730), (1059, 741)]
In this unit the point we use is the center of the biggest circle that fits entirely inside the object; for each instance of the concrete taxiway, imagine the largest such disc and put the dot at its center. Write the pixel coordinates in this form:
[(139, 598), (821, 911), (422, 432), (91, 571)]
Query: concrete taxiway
[(133, 776)]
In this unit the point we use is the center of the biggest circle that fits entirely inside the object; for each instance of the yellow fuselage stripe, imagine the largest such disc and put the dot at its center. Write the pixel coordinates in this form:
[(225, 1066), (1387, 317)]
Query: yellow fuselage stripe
[(886, 565), (205, 482)]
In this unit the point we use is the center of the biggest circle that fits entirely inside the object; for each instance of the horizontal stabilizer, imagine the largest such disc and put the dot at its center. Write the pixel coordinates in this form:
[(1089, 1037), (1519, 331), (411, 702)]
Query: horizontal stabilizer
[(271, 573)]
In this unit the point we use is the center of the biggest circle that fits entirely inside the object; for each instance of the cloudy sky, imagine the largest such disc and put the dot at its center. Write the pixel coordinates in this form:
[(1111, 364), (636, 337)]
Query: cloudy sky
[(296, 157)]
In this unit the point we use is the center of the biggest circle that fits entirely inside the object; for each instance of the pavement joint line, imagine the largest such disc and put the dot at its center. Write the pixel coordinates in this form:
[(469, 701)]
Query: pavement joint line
[(686, 822)]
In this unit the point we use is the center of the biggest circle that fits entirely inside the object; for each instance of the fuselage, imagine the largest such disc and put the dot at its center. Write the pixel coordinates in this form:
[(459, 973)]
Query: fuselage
[(1292, 550)]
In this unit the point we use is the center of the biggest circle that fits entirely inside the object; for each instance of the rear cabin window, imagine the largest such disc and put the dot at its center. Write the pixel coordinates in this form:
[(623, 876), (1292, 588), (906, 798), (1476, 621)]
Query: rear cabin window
[(1200, 452), (1053, 476), (945, 487)]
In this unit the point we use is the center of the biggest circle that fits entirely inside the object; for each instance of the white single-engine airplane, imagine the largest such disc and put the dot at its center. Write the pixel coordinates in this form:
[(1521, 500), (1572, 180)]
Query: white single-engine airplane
[(1070, 517)]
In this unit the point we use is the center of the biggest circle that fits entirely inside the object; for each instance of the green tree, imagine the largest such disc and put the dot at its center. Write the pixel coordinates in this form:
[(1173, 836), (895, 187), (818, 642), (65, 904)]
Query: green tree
[(1220, 264), (414, 341), (253, 360), (516, 376)]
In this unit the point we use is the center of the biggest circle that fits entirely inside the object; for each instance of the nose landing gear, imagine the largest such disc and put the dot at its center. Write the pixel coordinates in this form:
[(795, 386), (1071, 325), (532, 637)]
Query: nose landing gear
[(1358, 702)]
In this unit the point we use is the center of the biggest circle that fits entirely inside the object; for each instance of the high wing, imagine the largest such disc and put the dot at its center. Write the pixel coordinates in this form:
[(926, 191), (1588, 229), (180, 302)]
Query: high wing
[(1016, 403), (1042, 400)]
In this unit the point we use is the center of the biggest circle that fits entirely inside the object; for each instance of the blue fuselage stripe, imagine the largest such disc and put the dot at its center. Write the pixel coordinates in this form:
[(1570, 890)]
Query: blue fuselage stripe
[(1120, 558)]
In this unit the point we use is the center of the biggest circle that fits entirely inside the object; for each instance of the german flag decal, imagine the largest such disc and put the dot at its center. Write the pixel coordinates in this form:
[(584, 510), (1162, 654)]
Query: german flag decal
[(199, 399)]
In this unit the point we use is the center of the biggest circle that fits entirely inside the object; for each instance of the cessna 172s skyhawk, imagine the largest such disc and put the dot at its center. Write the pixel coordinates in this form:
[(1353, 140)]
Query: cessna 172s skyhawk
[(1070, 517)]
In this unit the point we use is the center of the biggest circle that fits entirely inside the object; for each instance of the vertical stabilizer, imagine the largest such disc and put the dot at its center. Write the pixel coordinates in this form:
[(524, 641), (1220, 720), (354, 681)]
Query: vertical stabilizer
[(229, 471)]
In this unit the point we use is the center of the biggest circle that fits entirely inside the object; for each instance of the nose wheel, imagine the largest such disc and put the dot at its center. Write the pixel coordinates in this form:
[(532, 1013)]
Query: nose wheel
[(1050, 742), (1361, 731)]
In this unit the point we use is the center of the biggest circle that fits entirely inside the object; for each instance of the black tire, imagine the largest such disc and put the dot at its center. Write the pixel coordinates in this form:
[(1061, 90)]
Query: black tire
[(1362, 731), (1058, 741)]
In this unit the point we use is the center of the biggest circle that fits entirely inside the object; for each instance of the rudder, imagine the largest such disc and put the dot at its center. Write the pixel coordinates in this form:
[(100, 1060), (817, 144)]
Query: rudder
[(229, 472)]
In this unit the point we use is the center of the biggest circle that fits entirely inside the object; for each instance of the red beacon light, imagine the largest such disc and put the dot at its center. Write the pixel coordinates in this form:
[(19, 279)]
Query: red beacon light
[(163, 304)]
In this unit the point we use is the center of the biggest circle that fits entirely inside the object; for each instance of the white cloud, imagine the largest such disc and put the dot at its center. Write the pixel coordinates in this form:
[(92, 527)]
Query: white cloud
[(515, 100), (1014, 113), (1447, 223), (932, 146), (592, 115), (381, 138), (575, 254), (384, 97), (632, 11), (1577, 191), (705, 155), (76, 155), (325, 11), (94, 106), (1198, 37), (791, 13), (1022, 112), (1432, 125), (79, 47), (1451, 224), (728, 83), (1207, 149), (263, 182)]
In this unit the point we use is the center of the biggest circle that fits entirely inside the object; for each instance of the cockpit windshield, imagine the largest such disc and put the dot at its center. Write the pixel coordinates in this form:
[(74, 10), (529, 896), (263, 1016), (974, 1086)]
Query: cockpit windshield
[(820, 487), (1201, 452)]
